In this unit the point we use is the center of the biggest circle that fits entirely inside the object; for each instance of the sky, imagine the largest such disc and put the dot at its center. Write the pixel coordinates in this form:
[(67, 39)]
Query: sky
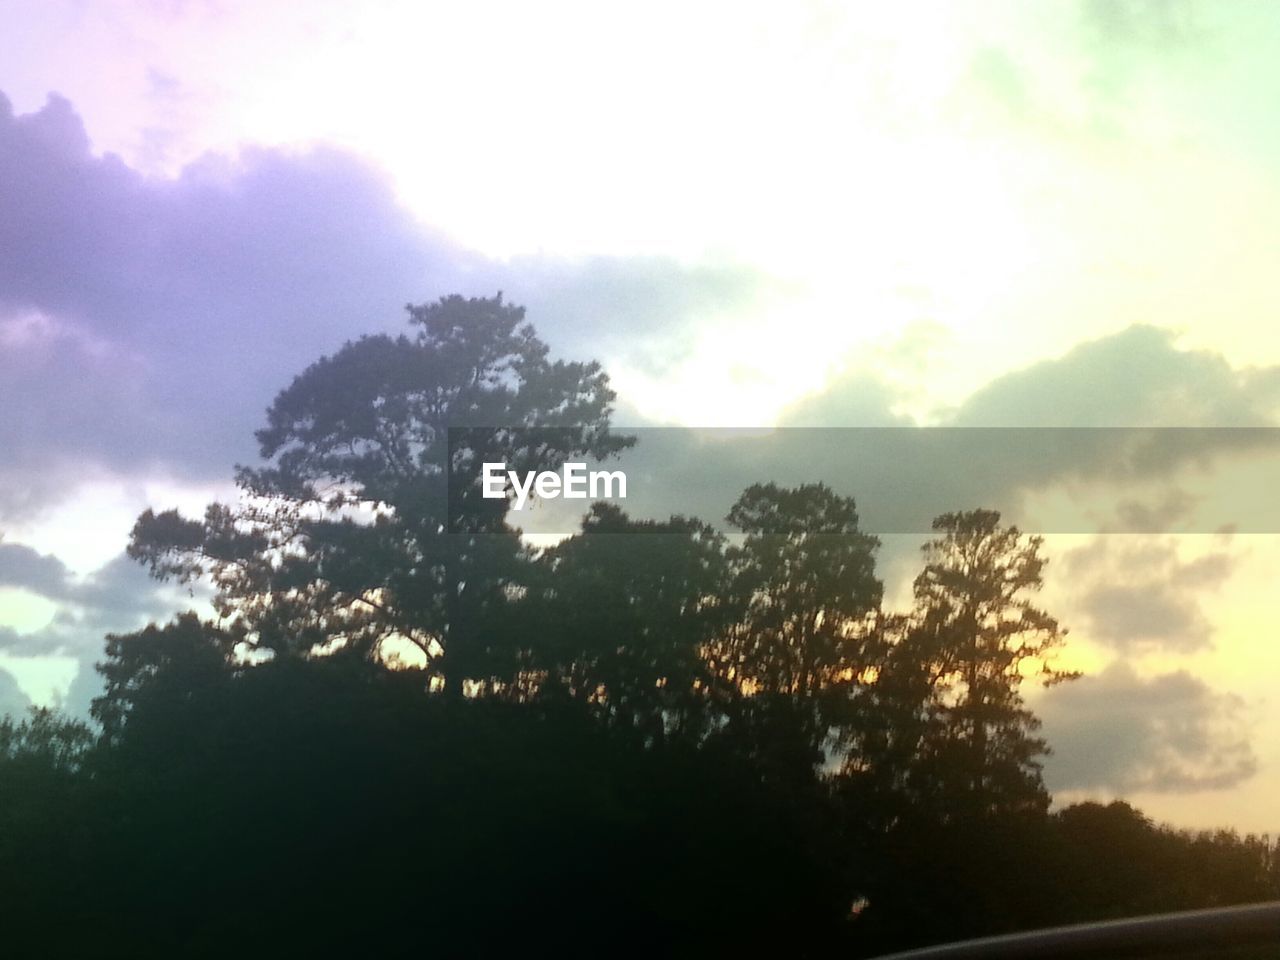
[(1062, 214)]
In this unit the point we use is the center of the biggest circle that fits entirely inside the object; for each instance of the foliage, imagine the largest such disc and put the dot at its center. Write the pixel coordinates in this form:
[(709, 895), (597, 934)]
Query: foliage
[(323, 806), (622, 614), (805, 576), (366, 524), (44, 740), (643, 740), (974, 634)]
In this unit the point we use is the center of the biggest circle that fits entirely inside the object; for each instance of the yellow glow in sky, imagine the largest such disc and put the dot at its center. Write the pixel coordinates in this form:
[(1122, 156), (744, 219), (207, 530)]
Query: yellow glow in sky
[(23, 611)]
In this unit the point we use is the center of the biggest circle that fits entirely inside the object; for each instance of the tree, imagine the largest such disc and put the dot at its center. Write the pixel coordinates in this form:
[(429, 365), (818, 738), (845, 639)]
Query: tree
[(805, 586), (624, 611), (805, 575), (974, 635), (1115, 862), (44, 740), (46, 850), (161, 666), (366, 526)]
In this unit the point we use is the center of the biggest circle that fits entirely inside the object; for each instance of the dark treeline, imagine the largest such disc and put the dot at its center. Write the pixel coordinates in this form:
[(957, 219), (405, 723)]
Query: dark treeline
[(407, 732)]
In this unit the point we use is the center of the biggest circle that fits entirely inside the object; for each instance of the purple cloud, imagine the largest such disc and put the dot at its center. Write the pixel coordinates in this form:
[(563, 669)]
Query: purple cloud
[(148, 322)]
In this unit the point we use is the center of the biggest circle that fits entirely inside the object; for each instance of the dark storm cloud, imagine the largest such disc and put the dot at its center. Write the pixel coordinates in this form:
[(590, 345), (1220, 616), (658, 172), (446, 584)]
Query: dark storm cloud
[(147, 323), (1120, 732)]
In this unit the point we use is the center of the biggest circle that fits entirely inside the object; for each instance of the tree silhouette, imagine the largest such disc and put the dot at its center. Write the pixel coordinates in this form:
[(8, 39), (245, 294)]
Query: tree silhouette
[(622, 615), (163, 665), (975, 633), (366, 525), (43, 740), (805, 577), (805, 585), (674, 741)]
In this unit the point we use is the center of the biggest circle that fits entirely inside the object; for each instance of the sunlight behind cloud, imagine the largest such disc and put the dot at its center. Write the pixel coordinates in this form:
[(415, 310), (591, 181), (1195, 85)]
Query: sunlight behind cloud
[(23, 611)]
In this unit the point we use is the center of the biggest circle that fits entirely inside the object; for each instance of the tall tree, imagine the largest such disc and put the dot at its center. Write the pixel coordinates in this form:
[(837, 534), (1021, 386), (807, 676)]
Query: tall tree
[(366, 523), (977, 638), (805, 575), (805, 586)]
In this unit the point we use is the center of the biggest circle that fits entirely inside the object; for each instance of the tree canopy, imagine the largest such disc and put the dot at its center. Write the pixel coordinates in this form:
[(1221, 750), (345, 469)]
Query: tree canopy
[(406, 728), (366, 522)]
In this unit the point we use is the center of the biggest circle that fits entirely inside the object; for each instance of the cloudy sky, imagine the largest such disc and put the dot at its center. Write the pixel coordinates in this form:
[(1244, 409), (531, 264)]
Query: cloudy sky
[(1063, 214)]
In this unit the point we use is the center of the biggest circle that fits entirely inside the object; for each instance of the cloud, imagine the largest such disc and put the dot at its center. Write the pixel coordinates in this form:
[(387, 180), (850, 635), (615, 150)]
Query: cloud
[(1137, 516), (1135, 594), (1048, 427), (644, 310), (23, 567), (117, 597), (149, 322), (13, 702), (1128, 24), (1086, 69), (1181, 408), (120, 585), (146, 323), (1124, 733), (856, 399), (1135, 378), (1050, 424)]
